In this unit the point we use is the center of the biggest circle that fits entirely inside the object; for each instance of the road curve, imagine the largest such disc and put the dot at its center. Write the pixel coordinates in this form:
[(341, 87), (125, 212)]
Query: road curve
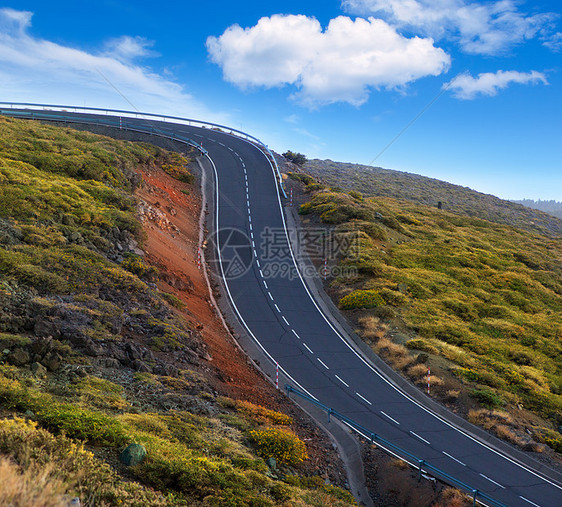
[(276, 308)]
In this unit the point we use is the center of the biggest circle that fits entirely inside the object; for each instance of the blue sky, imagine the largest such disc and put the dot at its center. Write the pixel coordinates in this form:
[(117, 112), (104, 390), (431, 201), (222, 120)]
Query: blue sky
[(331, 79)]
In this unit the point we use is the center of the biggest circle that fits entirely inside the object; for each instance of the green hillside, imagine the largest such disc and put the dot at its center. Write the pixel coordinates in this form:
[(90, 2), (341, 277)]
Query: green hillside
[(81, 330), (480, 299), (375, 181)]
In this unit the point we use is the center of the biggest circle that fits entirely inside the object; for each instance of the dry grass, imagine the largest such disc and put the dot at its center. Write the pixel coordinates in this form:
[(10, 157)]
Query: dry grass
[(498, 422), (372, 329), (451, 395), (454, 498), (489, 418), (397, 355), (506, 433), (33, 486), (417, 371)]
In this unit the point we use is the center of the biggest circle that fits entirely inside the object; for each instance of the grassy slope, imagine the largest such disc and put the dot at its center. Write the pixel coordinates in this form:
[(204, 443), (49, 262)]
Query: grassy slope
[(486, 297), (375, 181), (66, 214)]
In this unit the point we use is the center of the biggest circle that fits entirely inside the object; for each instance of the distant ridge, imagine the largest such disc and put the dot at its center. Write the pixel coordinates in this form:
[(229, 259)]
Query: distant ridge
[(376, 181), (553, 208)]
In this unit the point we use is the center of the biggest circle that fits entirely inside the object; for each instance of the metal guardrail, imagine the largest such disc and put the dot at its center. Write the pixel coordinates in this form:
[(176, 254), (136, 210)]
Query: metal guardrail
[(48, 108), (422, 465), (120, 124)]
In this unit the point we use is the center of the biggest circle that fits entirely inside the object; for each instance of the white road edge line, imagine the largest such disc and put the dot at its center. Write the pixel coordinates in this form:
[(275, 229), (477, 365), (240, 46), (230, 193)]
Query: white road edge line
[(391, 418), (492, 481), (322, 363), (412, 400), (421, 438), (363, 398), (244, 323), (529, 501), (342, 381), (374, 370), (307, 348), (453, 458)]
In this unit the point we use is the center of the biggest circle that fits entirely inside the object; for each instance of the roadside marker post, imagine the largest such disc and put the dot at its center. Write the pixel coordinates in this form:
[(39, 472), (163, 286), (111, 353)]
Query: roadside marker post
[(276, 375), (428, 377)]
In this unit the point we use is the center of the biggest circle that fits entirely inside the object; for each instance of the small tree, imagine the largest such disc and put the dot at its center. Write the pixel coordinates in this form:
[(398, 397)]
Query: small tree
[(296, 158)]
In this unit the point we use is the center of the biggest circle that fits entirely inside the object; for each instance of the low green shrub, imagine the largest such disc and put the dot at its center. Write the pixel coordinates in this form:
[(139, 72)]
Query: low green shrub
[(362, 299), (487, 397), (175, 301)]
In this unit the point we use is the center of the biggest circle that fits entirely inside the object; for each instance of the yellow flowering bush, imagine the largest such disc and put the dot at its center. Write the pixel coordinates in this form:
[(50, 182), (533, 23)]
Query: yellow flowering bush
[(260, 413), (282, 445), (362, 299)]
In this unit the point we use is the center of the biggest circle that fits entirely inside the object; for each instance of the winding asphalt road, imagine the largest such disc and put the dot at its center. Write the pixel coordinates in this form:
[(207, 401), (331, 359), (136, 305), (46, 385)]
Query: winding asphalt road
[(275, 306)]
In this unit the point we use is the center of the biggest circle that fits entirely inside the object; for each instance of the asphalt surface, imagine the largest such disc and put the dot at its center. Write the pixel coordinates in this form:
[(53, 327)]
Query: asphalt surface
[(275, 306)]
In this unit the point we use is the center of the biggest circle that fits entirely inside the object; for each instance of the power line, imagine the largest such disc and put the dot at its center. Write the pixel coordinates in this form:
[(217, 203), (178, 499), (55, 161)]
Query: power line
[(411, 122)]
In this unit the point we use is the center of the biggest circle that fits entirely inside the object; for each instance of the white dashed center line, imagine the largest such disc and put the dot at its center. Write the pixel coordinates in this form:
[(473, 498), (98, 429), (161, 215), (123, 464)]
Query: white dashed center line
[(492, 481), (295, 333), (342, 381), (265, 283), (285, 320), (270, 296), (364, 399), (529, 501), (421, 438), (453, 458), (307, 348), (276, 307), (322, 363), (391, 418)]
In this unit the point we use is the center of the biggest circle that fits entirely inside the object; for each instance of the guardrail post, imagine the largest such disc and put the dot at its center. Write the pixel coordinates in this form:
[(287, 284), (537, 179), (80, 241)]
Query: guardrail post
[(329, 415), (474, 494), (421, 462)]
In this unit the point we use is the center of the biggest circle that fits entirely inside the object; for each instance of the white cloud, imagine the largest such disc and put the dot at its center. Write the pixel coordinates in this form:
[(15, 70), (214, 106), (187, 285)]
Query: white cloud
[(480, 28), (465, 86), (554, 42), (338, 64), (126, 48), (37, 70)]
